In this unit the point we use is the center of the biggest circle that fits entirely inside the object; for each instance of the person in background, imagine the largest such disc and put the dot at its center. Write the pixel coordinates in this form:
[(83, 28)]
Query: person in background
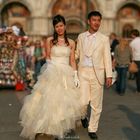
[(122, 59), (113, 43), (19, 58), (32, 48), (29, 63), (93, 51), (38, 57), (135, 45), (29, 54), (22, 32), (44, 47)]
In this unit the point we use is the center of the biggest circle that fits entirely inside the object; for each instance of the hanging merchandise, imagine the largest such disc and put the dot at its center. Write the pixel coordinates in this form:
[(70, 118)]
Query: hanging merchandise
[(7, 78)]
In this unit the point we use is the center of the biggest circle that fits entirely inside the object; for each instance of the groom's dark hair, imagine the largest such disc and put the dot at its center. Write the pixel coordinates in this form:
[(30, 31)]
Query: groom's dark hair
[(94, 13)]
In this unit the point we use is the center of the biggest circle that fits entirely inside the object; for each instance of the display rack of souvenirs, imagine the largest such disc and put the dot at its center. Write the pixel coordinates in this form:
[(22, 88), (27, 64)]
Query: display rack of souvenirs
[(7, 78)]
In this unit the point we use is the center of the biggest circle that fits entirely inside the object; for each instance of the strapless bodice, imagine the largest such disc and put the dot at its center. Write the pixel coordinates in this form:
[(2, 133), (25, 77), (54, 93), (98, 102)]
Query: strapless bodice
[(60, 54)]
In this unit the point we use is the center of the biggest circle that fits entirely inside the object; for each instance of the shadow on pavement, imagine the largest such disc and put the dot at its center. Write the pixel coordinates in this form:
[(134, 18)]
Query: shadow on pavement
[(134, 118)]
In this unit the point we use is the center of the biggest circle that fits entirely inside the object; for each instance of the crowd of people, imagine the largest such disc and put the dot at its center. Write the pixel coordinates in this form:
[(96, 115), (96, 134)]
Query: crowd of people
[(27, 55), (124, 52)]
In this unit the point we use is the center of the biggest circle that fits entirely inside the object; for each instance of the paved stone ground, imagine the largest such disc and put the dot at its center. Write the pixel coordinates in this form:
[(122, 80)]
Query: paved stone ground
[(120, 119)]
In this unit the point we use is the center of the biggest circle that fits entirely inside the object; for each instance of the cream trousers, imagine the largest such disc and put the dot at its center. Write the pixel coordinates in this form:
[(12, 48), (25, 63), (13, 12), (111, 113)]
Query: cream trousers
[(91, 92)]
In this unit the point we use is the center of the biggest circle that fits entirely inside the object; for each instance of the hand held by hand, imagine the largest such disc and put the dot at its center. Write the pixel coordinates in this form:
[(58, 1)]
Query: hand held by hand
[(48, 61), (76, 79), (108, 82)]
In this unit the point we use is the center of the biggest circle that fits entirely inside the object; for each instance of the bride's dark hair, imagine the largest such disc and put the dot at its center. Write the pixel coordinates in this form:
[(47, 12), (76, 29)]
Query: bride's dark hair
[(56, 20)]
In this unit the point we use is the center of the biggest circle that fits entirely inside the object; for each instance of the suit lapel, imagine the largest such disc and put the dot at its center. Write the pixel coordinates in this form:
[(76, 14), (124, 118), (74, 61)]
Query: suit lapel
[(91, 47), (96, 45), (83, 41)]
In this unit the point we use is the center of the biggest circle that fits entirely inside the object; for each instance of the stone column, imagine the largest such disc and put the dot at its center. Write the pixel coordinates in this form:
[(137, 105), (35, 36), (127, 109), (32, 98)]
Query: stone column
[(107, 26), (38, 26)]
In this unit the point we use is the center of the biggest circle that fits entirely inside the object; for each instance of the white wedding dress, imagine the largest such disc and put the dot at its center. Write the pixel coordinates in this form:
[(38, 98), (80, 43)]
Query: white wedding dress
[(54, 104)]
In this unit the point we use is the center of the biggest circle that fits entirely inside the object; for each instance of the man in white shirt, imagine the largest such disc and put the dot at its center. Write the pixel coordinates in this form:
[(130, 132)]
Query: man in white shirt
[(135, 45), (93, 51)]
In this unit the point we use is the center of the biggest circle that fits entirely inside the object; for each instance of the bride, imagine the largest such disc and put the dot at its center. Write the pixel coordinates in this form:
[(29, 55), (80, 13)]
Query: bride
[(54, 106)]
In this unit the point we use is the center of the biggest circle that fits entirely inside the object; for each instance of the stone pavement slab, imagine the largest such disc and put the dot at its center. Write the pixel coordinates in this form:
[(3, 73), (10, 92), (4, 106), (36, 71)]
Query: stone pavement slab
[(120, 119)]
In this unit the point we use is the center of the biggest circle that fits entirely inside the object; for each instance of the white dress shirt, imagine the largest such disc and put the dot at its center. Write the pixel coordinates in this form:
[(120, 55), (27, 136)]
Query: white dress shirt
[(135, 45), (89, 39)]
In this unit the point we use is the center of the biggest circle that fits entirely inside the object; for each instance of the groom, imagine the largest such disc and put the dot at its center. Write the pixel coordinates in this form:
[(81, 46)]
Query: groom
[(93, 50)]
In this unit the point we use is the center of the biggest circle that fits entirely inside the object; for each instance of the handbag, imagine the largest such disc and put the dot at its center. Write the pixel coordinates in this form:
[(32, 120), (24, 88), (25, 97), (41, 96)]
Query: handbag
[(133, 68)]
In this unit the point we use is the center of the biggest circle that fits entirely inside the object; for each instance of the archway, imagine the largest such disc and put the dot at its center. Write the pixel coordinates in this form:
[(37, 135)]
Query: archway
[(74, 27), (126, 32), (77, 8), (75, 13), (13, 13), (127, 18)]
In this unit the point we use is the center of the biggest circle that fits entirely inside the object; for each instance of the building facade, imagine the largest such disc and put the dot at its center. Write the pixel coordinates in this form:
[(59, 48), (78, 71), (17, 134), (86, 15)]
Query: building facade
[(35, 16)]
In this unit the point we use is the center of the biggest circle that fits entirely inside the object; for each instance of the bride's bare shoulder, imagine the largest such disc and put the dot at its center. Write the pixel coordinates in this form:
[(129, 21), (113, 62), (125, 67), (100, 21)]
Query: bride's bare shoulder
[(71, 42), (50, 38)]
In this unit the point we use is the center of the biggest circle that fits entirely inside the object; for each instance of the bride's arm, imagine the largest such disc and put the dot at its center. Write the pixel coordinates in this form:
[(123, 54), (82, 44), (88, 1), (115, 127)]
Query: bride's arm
[(48, 48), (73, 63), (72, 55)]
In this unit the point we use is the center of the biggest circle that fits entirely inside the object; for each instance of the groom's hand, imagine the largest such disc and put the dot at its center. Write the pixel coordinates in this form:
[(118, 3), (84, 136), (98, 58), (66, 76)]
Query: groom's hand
[(108, 82)]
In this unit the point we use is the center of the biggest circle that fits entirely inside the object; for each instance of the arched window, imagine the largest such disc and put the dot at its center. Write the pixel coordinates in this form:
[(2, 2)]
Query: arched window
[(127, 18), (127, 30), (75, 12), (71, 7), (14, 12)]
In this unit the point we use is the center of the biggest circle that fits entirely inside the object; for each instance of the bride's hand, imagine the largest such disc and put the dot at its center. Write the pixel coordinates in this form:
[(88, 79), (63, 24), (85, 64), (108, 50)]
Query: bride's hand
[(76, 79), (48, 61)]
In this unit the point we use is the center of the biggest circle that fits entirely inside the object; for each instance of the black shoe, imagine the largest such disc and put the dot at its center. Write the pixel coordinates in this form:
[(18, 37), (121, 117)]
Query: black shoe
[(92, 135), (37, 135), (84, 122)]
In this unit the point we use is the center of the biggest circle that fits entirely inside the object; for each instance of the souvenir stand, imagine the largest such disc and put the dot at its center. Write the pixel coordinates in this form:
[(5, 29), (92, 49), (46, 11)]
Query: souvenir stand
[(7, 78)]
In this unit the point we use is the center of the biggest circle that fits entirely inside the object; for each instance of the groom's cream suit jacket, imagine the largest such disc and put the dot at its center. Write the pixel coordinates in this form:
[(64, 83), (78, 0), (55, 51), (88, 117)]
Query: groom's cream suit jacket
[(99, 51)]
